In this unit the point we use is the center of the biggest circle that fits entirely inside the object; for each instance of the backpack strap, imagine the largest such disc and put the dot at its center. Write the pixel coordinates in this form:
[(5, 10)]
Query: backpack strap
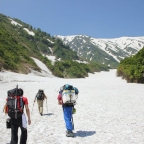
[(20, 104)]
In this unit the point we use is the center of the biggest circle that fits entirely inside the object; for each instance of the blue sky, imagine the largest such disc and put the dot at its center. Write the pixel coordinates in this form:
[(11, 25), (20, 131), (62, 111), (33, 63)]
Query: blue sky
[(95, 18)]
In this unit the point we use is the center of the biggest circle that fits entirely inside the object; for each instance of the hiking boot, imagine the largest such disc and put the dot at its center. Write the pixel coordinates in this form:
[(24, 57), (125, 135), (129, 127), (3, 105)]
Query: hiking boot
[(41, 114), (69, 134), (68, 131)]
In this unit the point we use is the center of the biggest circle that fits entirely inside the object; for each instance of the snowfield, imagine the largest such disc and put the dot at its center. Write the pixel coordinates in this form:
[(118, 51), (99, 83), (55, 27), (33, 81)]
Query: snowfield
[(109, 110)]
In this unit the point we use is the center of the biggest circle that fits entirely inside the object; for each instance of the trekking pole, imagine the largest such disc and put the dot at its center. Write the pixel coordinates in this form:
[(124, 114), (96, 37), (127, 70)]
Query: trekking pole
[(33, 104), (46, 106), (72, 123), (32, 107), (3, 110)]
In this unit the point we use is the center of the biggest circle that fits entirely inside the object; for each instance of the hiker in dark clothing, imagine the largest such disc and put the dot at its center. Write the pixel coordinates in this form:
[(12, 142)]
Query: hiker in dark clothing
[(19, 122)]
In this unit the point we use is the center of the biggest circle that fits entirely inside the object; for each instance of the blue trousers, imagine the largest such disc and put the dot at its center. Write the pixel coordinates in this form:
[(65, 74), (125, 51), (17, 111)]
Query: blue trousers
[(68, 117)]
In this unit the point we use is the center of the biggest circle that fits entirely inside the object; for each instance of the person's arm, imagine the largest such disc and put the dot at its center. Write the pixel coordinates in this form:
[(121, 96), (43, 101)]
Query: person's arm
[(59, 102), (5, 109), (35, 97), (28, 113), (45, 97), (60, 99)]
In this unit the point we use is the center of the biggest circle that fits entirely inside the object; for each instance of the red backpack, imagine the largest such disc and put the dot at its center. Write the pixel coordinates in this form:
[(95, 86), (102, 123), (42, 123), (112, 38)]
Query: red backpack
[(15, 103)]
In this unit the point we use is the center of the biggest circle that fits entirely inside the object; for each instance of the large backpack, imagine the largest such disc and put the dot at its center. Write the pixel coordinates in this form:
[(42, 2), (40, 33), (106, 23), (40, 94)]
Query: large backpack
[(76, 90), (69, 94), (15, 103), (40, 95)]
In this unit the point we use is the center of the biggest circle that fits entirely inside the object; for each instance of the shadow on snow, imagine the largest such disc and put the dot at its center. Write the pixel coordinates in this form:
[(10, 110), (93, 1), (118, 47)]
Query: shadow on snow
[(84, 133), (48, 114)]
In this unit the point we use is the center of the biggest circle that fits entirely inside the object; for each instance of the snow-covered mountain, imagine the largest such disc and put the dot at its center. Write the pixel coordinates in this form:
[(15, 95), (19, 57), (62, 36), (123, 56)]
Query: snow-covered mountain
[(107, 51)]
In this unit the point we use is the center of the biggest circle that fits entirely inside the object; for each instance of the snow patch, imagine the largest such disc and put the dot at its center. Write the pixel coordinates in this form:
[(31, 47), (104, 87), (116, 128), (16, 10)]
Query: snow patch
[(42, 66), (14, 22), (29, 32)]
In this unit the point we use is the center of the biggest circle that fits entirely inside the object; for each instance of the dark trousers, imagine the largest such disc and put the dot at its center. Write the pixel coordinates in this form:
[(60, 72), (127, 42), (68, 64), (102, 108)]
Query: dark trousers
[(14, 134)]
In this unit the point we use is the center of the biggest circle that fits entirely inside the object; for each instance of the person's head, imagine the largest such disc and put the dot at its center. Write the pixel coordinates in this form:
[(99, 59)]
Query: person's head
[(60, 92), (20, 92), (41, 91)]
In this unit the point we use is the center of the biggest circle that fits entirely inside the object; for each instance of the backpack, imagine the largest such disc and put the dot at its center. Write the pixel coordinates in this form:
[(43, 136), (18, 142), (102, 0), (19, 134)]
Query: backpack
[(40, 95), (76, 90), (15, 103), (69, 94)]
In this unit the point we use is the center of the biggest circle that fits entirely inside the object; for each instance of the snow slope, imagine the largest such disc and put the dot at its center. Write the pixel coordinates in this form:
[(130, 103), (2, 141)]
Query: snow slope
[(109, 110)]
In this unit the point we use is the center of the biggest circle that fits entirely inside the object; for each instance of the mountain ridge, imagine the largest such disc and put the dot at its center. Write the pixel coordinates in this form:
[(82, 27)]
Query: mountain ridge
[(19, 42), (116, 48)]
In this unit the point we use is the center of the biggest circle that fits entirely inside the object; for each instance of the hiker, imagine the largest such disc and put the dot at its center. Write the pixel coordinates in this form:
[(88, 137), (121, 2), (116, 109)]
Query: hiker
[(17, 115), (66, 92), (40, 96)]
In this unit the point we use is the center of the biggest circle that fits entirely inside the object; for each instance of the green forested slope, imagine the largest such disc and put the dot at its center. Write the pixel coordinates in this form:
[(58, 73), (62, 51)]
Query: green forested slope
[(132, 68), (17, 47)]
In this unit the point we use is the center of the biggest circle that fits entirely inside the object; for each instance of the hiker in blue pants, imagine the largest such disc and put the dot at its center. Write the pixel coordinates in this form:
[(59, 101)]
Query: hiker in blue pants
[(67, 98), (67, 111)]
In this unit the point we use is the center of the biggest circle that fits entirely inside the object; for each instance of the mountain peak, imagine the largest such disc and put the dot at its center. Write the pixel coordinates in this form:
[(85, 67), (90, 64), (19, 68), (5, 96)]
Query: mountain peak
[(102, 49)]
